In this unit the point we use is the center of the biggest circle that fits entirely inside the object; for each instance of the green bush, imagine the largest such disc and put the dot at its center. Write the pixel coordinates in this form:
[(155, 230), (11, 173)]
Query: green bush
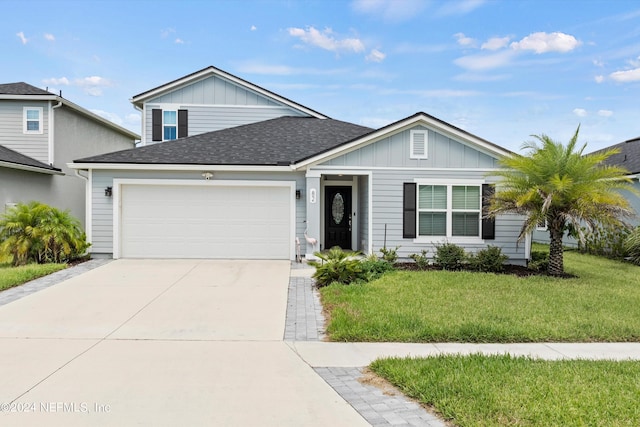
[(539, 261), (420, 259), (488, 260), (449, 256), (36, 232), (390, 255), (374, 267), (336, 265), (604, 240), (632, 246)]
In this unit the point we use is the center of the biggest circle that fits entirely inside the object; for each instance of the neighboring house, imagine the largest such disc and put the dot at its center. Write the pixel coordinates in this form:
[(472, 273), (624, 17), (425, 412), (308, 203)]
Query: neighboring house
[(251, 191), (40, 133), (628, 157)]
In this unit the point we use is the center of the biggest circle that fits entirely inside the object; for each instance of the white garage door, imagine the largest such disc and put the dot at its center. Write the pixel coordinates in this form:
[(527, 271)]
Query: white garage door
[(205, 221)]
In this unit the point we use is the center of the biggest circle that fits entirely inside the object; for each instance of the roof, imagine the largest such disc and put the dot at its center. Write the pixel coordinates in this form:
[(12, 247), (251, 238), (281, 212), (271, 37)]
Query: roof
[(22, 91), (15, 160), (628, 156), (206, 72), (21, 88), (276, 142)]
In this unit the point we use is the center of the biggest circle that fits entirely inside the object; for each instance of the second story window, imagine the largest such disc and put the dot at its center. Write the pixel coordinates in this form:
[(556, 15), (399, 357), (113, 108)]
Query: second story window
[(32, 120), (169, 125)]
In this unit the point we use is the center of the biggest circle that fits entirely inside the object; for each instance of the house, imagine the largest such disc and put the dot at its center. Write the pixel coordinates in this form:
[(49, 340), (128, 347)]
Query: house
[(41, 132), (628, 157), (254, 190)]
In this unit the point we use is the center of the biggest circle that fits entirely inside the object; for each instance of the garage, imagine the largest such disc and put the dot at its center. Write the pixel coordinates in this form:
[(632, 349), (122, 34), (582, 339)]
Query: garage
[(210, 219)]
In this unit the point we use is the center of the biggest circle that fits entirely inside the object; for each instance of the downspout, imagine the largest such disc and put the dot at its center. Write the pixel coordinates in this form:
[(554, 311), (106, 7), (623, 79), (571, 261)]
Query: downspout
[(143, 135), (52, 127), (88, 202)]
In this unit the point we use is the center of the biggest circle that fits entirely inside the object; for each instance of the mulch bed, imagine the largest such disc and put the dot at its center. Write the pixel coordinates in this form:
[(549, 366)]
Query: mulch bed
[(515, 270)]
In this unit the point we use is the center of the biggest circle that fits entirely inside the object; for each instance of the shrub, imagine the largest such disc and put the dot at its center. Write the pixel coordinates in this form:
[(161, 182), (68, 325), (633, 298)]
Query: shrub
[(539, 261), (336, 265), (390, 255), (374, 267), (488, 260), (605, 240), (632, 246), (449, 256), (420, 259), (36, 232)]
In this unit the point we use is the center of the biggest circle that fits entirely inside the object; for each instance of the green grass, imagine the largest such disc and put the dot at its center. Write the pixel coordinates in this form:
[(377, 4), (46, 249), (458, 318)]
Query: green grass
[(486, 391), (602, 304), (14, 276)]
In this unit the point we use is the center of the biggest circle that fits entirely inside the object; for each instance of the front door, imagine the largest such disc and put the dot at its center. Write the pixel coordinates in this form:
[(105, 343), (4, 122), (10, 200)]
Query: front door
[(337, 214)]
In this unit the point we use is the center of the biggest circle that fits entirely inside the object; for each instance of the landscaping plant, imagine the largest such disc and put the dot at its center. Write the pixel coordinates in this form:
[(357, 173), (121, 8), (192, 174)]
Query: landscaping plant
[(336, 265), (632, 246), (390, 255), (449, 256), (488, 260), (421, 259)]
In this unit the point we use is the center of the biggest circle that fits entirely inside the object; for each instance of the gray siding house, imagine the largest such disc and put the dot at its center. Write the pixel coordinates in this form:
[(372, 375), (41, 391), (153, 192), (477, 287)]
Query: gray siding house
[(297, 182), (39, 134)]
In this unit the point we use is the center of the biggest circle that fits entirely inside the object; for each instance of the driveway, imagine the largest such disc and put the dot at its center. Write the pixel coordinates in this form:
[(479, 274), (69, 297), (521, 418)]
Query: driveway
[(161, 342)]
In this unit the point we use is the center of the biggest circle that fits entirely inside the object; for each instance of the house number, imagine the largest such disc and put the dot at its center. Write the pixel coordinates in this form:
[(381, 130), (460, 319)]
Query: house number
[(312, 195)]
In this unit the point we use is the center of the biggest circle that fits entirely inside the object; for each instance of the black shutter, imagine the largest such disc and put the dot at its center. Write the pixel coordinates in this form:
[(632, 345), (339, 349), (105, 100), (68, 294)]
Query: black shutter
[(488, 224), (183, 123), (409, 210), (156, 124)]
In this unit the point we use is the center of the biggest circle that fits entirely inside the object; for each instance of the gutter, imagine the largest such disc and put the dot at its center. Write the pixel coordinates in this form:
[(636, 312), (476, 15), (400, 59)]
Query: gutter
[(28, 168)]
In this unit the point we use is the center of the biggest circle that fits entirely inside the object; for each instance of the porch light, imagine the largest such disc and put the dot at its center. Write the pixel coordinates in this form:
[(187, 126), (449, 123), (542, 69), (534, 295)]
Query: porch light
[(298, 195), (108, 192)]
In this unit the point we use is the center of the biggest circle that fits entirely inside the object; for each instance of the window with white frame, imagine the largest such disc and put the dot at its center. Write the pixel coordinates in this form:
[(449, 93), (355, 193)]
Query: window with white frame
[(169, 125), (542, 225), (448, 210), (32, 122)]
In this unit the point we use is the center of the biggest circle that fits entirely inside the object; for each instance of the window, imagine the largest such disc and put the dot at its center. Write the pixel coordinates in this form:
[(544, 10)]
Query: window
[(449, 210), (419, 140), (542, 225), (169, 125), (32, 119)]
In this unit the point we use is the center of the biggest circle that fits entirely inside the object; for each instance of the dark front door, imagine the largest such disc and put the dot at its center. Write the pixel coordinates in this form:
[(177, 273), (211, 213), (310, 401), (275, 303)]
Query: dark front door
[(337, 214)]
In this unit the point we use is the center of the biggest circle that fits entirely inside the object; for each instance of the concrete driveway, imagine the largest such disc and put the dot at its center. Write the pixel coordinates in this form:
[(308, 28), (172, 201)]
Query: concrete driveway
[(161, 342)]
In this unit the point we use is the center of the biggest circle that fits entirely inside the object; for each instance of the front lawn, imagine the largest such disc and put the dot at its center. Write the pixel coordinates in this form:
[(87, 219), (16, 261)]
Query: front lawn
[(502, 390), (601, 304), (14, 276)]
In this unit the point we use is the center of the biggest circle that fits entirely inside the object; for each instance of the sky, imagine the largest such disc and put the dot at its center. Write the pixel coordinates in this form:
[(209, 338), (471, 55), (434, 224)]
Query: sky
[(500, 69)]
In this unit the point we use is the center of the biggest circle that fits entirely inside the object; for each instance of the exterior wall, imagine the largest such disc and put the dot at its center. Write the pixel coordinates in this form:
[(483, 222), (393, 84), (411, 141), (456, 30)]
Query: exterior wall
[(102, 206), (393, 151), (11, 129), (215, 103)]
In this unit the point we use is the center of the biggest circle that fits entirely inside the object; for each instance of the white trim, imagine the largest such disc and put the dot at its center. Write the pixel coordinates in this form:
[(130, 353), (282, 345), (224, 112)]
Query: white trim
[(165, 125), (471, 182), (412, 145), (208, 72), (403, 125), (370, 229), (186, 105), (51, 97), (527, 247), (394, 168), (30, 168), (52, 130), (162, 167), (117, 201), (25, 129)]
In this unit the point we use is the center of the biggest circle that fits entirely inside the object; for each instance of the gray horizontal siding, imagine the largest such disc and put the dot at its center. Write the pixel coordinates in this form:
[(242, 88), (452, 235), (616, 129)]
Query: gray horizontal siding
[(102, 206), (393, 151), (204, 118), (11, 130), (387, 209)]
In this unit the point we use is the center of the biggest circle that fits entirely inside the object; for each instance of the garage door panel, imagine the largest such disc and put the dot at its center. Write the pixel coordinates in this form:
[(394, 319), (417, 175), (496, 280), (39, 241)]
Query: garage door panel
[(169, 221)]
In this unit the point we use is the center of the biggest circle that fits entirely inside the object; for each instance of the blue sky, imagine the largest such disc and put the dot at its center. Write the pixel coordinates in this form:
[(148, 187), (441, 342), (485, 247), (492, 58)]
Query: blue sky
[(502, 70)]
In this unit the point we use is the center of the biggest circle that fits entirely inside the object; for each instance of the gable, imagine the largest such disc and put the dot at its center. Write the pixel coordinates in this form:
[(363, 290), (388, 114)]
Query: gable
[(397, 150)]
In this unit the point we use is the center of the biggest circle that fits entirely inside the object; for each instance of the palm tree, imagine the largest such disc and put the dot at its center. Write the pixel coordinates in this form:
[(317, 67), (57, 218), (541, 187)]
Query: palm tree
[(556, 184)]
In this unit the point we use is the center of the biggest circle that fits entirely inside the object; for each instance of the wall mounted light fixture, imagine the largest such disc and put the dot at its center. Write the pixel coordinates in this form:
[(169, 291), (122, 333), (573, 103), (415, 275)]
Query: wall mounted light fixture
[(298, 195), (108, 191), (207, 175)]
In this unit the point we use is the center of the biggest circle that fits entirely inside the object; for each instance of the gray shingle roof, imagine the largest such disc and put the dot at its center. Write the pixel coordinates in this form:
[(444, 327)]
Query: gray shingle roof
[(281, 141), (9, 156), (21, 88), (628, 157)]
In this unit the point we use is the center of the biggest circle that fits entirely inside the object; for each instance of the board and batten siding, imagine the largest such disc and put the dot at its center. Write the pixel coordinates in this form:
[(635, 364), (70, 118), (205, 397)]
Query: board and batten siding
[(35, 145), (393, 151), (102, 206)]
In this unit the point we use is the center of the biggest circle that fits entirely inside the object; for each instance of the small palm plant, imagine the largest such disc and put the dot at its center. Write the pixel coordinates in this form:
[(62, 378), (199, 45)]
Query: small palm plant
[(336, 265), (36, 232)]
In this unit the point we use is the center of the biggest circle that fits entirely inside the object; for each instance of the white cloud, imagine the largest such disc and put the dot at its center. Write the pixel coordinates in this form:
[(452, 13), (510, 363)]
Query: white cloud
[(464, 40), (253, 28), (495, 43), (179, 41), (580, 112), (132, 119), (459, 7), (626, 76), (599, 79), (55, 81), (251, 67), (49, 37), (326, 40), (598, 63), (22, 38), (605, 113), (635, 63), (112, 117), (390, 10), (167, 32), (547, 42), (376, 56), (485, 61), (92, 85)]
